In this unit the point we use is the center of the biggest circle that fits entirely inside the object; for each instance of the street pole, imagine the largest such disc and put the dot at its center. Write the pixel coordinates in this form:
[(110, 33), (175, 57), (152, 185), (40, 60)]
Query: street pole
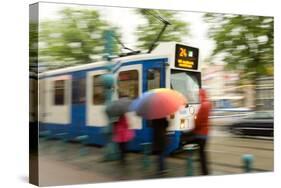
[(248, 162), (108, 83)]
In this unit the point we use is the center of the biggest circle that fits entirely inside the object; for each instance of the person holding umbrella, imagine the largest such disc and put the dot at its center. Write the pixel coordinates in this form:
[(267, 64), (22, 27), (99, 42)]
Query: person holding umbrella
[(121, 132), (156, 105), (122, 135), (160, 142)]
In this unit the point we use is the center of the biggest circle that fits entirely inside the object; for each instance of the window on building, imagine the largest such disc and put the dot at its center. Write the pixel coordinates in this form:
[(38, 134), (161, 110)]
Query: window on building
[(128, 84), (98, 90), (153, 79), (78, 91), (59, 94)]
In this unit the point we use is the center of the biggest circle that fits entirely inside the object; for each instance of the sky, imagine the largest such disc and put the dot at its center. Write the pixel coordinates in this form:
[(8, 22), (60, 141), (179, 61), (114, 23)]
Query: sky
[(127, 20)]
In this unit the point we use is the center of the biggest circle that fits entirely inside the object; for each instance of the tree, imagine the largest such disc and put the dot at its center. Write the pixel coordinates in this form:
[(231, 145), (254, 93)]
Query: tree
[(33, 42), (76, 38), (148, 32), (246, 43)]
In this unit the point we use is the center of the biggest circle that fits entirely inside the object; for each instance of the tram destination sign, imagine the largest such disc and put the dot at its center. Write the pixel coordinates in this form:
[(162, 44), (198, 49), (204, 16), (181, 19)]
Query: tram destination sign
[(186, 57)]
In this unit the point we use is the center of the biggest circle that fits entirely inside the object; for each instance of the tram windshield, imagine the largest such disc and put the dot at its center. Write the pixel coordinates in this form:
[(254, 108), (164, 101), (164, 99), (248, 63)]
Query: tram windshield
[(187, 83)]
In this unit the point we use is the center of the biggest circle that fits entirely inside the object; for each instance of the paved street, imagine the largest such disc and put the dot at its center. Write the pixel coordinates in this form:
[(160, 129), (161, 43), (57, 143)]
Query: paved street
[(59, 167)]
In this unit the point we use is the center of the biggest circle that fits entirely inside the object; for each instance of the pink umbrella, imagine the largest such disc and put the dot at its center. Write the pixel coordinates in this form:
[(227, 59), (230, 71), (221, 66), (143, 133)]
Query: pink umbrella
[(158, 103)]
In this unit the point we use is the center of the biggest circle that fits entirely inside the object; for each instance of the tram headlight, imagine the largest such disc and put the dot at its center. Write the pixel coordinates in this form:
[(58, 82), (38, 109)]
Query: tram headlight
[(182, 123), (191, 110)]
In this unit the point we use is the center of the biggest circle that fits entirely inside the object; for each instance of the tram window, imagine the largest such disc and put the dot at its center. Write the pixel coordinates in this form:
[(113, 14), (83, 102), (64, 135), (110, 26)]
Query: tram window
[(59, 92), (78, 92), (153, 79), (98, 90), (128, 84), (187, 83)]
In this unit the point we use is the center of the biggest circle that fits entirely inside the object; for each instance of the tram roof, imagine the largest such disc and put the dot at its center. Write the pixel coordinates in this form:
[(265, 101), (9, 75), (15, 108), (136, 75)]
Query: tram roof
[(163, 50)]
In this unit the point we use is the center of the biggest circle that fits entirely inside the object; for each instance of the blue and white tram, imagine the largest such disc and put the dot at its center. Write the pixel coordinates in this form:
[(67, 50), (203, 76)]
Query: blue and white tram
[(71, 100)]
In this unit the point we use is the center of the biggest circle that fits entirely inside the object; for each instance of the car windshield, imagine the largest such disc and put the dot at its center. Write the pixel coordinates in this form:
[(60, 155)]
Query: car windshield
[(187, 83)]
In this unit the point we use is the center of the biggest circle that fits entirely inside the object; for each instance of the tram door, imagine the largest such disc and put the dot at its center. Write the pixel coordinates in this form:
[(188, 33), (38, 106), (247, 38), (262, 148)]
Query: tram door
[(78, 103), (154, 75)]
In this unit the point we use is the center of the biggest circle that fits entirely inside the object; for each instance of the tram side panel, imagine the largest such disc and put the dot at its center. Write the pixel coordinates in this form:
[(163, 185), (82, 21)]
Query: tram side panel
[(96, 120), (55, 107)]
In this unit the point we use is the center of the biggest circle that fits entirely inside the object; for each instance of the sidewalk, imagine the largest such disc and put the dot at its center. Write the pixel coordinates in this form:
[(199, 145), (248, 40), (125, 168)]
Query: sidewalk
[(61, 164), (57, 167)]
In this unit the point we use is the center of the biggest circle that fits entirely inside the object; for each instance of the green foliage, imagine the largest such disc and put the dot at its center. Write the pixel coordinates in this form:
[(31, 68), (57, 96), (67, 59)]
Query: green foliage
[(246, 42), (33, 42), (74, 39), (148, 32)]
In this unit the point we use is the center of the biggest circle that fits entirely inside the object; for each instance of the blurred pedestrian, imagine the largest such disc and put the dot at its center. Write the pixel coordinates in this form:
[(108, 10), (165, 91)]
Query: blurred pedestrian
[(122, 135), (160, 142), (199, 134)]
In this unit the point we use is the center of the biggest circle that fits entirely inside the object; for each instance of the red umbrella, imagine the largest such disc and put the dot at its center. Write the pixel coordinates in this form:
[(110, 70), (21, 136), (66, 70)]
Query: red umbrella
[(158, 103)]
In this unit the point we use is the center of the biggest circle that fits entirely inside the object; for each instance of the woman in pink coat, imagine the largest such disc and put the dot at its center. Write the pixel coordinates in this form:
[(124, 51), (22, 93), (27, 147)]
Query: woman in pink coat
[(122, 135)]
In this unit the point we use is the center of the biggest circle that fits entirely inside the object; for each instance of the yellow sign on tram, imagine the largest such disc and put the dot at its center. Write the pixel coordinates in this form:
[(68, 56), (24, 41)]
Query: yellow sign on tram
[(186, 57)]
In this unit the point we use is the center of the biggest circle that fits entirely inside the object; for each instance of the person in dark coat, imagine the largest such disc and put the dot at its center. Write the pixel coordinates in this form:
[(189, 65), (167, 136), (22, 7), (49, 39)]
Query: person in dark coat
[(159, 141)]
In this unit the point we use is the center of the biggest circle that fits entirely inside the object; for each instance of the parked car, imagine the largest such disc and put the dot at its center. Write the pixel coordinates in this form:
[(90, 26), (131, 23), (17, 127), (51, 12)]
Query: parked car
[(227, 116), (260, 123)]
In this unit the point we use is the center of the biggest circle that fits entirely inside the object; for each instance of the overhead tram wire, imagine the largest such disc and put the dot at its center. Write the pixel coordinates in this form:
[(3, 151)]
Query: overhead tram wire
[(122, 44), (165, 22), (133, 52)]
